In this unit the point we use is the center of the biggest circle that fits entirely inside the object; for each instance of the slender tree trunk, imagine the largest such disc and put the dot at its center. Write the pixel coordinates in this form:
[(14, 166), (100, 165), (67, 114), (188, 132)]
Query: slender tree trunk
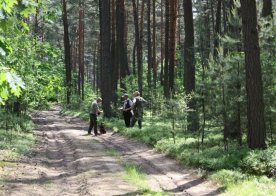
[(267, 8), (67, 53), (94, 71), (106, 65), (254, 87), (115, 67), (217, 29), (205, 52), (154, 44), (189, 64), (36, 21), (141, 40), (81, 50), (134, 51), (149, 74), (167, 40), (172, 49), (121, 48), (162, 43)]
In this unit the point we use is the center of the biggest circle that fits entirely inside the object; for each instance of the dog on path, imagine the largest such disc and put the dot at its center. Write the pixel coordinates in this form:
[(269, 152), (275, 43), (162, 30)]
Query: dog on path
[(102, 129)]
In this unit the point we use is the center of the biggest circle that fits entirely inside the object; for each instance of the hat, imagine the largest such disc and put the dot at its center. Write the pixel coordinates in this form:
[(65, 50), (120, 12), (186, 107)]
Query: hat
[(125, 95)]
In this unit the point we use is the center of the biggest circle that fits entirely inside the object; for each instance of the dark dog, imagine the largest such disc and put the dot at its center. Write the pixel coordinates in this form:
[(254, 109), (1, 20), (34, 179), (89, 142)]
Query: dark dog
[(102, 129)]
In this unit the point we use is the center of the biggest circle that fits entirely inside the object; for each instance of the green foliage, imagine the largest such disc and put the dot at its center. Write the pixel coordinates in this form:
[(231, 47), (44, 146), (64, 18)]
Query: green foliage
[(229, 177), (253, 186), (135, 176), (10, 84), (16, 137), (260, 162), (25, 62)]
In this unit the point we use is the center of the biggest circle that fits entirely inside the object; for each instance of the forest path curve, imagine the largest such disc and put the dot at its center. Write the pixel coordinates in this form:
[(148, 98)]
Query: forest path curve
[(66, 161)]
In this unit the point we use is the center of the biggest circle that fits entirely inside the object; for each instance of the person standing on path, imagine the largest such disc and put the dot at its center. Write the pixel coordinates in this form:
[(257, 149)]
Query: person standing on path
[(127, 110), (138, 109), (93, 115)]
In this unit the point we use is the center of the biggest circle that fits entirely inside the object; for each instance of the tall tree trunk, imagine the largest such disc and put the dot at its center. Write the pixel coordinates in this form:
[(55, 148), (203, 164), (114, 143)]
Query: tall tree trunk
[(205, 38), (254, 87), (67, 53), (189, 64), (115, 67), (106, 66), (36, 21), (173, 19), (149, 74), (154, 64), (137, 33), (162, 43), (167, 40), (94, 71), (121, 48), (81, 50), (141, 40), (267, 8), (217, 29)]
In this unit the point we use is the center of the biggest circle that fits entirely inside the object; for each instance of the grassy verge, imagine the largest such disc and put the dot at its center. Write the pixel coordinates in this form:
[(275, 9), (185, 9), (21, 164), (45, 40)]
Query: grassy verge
[(240, 171), (13, 143), (135, 176)]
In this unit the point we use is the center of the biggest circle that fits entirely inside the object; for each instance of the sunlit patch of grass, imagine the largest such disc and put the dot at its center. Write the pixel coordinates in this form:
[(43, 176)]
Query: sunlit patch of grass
[(12, 145), (17, 142), (135, 176), (254, 186)]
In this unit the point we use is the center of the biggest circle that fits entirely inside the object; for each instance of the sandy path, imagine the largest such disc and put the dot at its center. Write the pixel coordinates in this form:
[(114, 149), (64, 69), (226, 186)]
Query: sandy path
[(66, 161)]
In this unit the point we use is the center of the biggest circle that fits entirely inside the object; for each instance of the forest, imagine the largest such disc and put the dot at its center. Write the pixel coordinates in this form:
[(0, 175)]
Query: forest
[(206, 69)]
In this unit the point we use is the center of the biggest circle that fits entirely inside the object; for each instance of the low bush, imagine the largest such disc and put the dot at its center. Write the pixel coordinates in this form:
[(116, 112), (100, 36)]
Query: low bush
[(260, 162)]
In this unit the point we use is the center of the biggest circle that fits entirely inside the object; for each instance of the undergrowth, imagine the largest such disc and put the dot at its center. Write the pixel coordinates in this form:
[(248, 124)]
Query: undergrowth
[(16, 138), (236, 169)]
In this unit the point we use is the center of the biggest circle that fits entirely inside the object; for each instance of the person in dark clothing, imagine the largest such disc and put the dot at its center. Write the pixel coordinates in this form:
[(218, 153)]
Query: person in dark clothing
[(93, 116), (138, 109), (127, 113)]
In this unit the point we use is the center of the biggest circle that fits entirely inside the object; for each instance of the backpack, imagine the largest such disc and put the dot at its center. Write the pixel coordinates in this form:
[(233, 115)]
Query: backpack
[(139, 103)]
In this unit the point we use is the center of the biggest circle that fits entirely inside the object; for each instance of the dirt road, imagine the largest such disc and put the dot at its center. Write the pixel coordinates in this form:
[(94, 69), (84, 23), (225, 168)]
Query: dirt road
[(66, 161)]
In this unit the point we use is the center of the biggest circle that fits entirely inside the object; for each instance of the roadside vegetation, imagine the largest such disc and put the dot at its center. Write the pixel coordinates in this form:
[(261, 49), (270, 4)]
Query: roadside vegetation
[(237, 170)]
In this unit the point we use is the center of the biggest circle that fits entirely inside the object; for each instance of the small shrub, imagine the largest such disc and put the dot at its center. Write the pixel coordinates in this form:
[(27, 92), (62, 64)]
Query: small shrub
[(260, 162), (227, 177)]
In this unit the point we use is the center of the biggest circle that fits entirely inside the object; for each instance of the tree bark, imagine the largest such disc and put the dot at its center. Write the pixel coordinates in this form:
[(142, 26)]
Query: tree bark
[(167, 39), (267, 8), (121, 45), (154, 64), (254, 87), (115, 67), (149, 74), (162, 43), (189, 64), (172, 49), (106, 66), (81, 50), (67, 53), (217, 29)]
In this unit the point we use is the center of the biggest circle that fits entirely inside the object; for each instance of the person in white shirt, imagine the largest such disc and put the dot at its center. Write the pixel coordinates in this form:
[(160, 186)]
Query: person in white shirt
[(93, 116)]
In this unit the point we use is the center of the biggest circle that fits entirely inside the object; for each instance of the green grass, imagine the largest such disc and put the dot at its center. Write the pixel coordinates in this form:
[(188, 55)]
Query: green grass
[(253, 186), (15, 142), (134, 175)]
